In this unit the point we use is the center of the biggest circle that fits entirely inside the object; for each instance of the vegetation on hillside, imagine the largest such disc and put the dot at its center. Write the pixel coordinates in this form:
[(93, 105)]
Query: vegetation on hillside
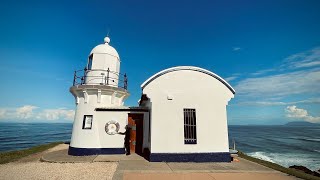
[(10, 156)]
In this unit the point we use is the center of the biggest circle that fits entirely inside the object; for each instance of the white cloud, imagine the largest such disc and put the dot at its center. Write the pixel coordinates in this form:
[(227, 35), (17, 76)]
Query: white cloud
[(55, 114), (231, 78), (260, 103), (306, 59), (2, 112), (33, 113), (306, 81), (298, 76), (236, 48), (25, 112), (302, 114), (278, 103), (261, 72)]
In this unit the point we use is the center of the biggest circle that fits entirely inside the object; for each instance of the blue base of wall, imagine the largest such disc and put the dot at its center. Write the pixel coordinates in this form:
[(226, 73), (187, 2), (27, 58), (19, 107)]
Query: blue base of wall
[(94, 151), (191, 157)]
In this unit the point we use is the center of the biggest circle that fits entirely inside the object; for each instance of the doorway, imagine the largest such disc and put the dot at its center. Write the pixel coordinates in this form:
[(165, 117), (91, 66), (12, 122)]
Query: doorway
[(135, 121)]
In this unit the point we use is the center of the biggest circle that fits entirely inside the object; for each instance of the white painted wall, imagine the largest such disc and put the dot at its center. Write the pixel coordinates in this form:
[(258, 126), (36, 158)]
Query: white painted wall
[(189, 89), (87, 102), (96, 137)]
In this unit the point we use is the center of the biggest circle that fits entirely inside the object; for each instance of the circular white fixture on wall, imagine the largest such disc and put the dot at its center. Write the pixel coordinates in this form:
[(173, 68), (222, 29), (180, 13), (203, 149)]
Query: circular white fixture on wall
[(112, 127)]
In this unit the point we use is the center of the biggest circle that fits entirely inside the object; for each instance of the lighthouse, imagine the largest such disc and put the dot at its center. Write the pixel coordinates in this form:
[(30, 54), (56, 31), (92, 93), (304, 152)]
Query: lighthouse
[(99, 85)]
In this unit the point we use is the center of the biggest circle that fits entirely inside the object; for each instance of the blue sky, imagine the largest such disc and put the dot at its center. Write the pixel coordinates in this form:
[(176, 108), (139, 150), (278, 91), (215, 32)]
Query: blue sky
[(269, 51)]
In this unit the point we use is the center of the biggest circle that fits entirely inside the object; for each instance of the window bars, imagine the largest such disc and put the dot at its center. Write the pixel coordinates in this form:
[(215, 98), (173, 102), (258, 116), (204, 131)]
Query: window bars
[(190, 129)]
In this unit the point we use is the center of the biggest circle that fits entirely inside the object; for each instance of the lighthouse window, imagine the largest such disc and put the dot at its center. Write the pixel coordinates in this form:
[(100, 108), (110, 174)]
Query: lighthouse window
[(87, 122), (90, 63), (190, 128)]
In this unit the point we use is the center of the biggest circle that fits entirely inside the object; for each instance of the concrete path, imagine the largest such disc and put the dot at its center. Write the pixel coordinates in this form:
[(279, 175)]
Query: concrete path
[(136, 167), (206, 176), (244, 169), (61, 156), (31, 167), (57, 171)]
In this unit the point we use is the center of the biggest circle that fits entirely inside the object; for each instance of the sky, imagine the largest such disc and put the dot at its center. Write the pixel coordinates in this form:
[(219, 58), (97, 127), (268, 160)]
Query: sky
[(269, 51)]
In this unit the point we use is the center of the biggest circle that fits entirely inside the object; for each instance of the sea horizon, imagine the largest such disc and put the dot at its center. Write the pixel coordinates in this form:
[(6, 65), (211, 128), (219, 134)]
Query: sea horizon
[(281, 144), (35, 122)]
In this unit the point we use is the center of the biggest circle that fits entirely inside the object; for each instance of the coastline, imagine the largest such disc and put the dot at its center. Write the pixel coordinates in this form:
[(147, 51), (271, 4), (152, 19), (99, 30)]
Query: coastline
[(290, 171), (35, 157), (282, 145)]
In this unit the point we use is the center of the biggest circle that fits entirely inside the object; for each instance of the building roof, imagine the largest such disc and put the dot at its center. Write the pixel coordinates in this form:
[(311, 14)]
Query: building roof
[(105, 49), (190, 68), (123, 108)]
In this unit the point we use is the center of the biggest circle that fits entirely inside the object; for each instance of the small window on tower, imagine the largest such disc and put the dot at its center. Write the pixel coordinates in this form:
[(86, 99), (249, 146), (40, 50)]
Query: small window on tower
[(90, 62), (87, 122)]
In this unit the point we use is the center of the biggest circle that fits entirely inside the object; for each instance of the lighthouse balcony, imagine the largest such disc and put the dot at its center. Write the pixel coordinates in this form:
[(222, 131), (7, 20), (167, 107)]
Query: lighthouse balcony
[(100, 77)]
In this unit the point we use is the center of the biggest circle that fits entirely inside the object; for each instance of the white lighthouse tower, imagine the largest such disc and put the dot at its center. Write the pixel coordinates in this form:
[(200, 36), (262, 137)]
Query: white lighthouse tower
[(99, 85)]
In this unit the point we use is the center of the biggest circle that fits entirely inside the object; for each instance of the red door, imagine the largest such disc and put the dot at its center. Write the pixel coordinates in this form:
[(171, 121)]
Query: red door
[(135, 121)]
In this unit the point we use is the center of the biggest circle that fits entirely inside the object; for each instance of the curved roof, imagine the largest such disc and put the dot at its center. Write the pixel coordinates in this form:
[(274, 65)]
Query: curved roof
[(190, 68), (105, 49)]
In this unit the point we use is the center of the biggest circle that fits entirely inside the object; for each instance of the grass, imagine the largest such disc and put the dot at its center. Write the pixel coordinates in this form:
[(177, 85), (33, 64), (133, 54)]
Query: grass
[(277, 167), (10, 156)]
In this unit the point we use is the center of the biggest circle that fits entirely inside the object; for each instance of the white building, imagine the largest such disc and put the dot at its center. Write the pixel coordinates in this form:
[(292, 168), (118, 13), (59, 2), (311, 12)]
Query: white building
[(188, 117), (181, 115)]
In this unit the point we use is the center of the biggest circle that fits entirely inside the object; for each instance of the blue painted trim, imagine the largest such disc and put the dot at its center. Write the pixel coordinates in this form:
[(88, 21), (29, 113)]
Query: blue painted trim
[(94, 151), (191, 157)]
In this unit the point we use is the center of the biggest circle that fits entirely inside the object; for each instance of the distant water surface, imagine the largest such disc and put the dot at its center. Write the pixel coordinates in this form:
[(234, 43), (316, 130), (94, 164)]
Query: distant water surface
[(15, 136), (285, 145)]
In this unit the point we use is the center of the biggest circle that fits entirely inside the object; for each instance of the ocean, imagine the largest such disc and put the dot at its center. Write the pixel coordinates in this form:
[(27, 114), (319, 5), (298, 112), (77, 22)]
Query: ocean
[(16, 136), (284, 145)]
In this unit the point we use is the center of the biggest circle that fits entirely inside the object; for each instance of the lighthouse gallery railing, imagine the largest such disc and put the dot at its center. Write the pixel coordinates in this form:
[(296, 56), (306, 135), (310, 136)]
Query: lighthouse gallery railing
[(106, 78)]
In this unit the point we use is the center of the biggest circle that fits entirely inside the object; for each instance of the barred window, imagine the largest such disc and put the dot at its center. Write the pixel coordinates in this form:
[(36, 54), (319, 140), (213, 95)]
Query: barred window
[(190, 129)]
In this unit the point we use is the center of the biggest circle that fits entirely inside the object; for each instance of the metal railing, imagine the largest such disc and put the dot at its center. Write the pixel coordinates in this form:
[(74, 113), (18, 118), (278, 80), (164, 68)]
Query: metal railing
[(108, 78)]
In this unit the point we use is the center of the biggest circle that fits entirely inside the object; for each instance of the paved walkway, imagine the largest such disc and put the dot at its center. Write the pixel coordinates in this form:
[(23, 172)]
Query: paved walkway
[(206, 176), (136, 167), (32, 168), (244, 169), (61, 156)]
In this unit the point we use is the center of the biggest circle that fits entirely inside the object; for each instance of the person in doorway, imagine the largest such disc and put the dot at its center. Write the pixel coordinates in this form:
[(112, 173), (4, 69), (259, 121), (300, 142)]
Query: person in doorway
[(127, 139)]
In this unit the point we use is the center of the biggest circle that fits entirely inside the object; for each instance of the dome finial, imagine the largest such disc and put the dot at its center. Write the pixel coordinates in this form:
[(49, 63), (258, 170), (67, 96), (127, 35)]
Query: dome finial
[(107, 40)]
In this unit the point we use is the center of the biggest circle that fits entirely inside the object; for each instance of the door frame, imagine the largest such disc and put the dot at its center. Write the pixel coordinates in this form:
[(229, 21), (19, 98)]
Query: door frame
[(137, 130)]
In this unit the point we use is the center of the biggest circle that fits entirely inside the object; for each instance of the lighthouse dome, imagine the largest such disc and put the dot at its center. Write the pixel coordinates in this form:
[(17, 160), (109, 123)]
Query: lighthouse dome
[(105, 49), (103, 65)]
